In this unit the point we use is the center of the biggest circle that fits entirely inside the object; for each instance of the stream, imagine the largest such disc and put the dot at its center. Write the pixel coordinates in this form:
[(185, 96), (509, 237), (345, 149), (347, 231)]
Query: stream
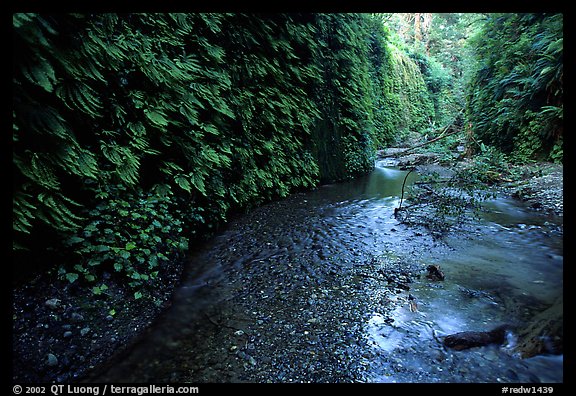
[(322, 286)]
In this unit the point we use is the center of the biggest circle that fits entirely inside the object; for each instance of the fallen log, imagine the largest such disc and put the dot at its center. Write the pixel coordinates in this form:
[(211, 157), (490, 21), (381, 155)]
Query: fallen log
[(441, 136), (472, 339)]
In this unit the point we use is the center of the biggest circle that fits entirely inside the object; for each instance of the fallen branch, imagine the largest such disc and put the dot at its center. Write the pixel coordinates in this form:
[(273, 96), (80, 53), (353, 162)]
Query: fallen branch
[(400, 153), (442, 136), (402, 197)]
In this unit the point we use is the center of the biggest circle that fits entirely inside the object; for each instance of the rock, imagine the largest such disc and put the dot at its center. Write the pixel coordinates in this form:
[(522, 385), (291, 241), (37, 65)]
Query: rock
[(52, 360), (53, 303), (435, 273), (76, 317), (471, 339), (67, 334), (85, 331)]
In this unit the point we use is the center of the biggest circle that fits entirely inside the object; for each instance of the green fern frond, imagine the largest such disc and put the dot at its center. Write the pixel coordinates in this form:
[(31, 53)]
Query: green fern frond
[(183, 182), (128, 170), (38, 170), (23, 212), (169, 167), (112, 152), (40, 73), (157, 117), (77, 95), (57, 214), (198, 182)]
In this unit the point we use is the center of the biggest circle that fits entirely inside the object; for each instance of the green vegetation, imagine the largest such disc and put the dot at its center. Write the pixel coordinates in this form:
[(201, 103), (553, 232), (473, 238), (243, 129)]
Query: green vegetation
[(134, 134), (515, 99)]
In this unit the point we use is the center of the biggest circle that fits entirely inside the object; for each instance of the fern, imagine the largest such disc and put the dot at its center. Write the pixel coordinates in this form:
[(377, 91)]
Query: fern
[(157, 117), (219, 110), (79, 96), (183, 182), (38, 169), (40, 73), (128, 169), (515, 96), (24, 212), (57, 214)]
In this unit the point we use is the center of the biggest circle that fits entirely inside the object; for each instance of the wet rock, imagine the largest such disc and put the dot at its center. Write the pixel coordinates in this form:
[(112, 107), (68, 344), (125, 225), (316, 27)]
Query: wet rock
[(52, 303), (435, 273), (51, 360), (243, 355), (76, 317)]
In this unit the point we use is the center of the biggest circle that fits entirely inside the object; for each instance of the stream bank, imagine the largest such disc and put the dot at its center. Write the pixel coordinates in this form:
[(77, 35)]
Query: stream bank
[(308, 289)]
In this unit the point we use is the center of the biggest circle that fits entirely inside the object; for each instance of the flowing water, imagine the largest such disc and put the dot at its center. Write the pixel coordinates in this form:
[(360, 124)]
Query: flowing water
[(506, 271), (327, 286)]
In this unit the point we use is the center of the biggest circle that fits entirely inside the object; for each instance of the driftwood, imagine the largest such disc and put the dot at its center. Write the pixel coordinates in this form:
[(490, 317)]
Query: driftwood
[(471, 339)]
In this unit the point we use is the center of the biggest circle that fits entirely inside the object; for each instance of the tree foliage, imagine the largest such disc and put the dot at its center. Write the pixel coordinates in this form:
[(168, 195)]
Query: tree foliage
[(516, 98)]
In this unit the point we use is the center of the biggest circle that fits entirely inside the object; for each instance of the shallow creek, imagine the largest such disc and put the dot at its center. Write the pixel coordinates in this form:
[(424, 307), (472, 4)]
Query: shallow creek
[(318, 288)]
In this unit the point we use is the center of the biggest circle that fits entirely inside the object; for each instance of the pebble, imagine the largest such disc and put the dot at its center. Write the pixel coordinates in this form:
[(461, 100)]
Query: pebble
[(53, 303), (52, 360), (67, 334), (76, 317), (84, 331)]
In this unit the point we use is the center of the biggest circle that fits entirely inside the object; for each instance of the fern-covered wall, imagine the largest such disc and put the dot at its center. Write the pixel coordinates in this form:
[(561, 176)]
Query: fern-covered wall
[(131, 126), (515, 100), (402, 102), (343, 137)]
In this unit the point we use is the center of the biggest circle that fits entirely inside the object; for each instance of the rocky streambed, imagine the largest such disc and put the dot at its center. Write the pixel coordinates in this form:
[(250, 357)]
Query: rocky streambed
[(325, 286)]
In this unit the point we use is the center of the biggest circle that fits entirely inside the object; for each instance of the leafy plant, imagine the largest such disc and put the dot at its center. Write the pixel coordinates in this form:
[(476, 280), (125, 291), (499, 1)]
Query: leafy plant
[(130, 234)]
